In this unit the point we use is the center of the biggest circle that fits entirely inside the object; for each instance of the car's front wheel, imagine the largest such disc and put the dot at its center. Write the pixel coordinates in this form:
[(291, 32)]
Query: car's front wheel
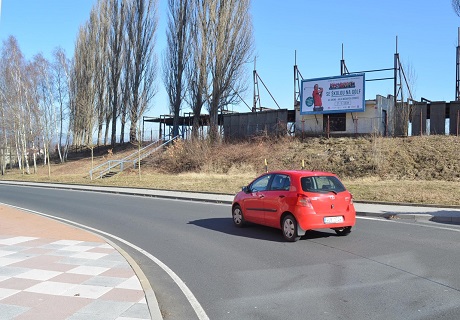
[(238, 218), (345, 231), (290, 228)]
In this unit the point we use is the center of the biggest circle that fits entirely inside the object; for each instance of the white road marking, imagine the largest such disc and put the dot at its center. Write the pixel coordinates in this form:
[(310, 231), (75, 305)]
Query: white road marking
[(187, 292)]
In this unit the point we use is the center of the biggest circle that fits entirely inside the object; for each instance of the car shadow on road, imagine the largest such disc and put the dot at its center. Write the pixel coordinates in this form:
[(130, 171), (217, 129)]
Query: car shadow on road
[(225, 225)]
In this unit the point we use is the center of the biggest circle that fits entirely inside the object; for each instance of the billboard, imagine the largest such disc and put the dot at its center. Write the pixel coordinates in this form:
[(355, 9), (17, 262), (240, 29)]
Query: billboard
[(333, 95)]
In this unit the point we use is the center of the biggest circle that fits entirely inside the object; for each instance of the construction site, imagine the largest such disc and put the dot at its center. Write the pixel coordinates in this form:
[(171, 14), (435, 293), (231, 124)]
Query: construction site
[(392, 114)]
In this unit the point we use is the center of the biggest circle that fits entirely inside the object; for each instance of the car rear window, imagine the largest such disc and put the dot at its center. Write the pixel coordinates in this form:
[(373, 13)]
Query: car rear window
[(322, 184)]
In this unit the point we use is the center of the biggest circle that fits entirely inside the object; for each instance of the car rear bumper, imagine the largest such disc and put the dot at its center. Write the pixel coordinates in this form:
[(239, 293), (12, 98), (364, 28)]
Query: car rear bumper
[(311, 220)]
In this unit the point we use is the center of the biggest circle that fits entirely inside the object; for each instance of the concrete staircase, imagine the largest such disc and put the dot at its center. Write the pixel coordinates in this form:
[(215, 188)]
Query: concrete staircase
[(113, 167)]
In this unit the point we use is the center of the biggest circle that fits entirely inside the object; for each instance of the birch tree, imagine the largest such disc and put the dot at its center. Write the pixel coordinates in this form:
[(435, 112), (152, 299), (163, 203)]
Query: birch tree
[(61, 68), (44, 95), (14, 97), (4, 136), (4, 123), (4, 130), (36, 94)]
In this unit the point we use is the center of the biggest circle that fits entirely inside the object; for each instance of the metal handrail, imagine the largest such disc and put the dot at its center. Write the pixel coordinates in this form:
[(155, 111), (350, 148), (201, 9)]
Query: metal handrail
[(131, 159)]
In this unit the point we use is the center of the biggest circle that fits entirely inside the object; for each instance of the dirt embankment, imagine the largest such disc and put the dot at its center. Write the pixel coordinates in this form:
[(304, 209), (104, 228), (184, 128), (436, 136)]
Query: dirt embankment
[(412, 158), (406, 170)]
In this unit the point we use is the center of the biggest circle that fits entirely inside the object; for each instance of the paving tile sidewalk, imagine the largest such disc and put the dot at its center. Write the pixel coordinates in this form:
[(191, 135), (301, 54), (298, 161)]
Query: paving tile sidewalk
[(49, 270)]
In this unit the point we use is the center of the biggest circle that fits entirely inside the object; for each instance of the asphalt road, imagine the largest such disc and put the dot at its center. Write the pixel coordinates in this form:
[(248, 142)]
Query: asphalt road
[(383, 270)]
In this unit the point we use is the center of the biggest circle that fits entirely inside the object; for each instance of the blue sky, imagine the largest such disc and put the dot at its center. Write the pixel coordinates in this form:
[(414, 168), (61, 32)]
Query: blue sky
[(427, 37)]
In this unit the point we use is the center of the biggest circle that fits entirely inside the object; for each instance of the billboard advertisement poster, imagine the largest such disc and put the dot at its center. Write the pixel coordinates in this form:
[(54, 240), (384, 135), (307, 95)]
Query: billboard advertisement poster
[(333, 94)]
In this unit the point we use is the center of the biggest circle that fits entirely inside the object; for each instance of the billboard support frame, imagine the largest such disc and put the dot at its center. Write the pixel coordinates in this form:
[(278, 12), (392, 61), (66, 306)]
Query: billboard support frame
[(402, 108)]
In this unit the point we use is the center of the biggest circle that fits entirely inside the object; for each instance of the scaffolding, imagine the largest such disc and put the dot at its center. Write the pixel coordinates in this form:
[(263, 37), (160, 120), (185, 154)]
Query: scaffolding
[(402, 105), (256, 104), (297, 81), (457, 74)]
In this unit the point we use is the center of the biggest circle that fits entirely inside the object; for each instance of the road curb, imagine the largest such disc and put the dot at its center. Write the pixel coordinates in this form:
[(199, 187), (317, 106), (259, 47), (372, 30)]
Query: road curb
[(150, 297)]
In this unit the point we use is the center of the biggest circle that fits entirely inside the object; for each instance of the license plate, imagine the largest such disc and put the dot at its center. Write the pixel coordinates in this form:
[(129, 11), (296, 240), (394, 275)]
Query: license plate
[(328, 220)]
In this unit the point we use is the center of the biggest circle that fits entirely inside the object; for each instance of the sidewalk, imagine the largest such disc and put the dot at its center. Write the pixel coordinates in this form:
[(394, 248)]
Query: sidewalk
[(412, 212), (50, 270)]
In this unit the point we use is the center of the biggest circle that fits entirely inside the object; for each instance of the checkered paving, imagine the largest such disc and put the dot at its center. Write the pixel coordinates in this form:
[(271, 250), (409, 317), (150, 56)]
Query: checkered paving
[(50, 279)]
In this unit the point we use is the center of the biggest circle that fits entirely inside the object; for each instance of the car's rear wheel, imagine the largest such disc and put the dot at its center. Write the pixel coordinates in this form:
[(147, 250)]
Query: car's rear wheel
[(238, 218), (290, 228), (345, 231)]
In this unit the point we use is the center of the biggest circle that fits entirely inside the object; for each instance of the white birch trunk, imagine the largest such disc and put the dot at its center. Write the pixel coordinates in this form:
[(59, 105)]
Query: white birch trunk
[(18, 150), (45, 152), (24, 148)]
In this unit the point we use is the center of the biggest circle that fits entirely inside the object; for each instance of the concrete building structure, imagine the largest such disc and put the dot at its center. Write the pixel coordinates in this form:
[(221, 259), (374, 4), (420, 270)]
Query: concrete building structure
[(377, 118)]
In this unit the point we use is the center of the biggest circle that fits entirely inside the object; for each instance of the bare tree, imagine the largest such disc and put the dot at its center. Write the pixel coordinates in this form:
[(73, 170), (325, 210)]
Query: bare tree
[(13, 92), (456, 6), (197, 70), (101, 21), (27, 98), (125, 89), (61, 69), (114, 69), (3, 130), (5, 100), (115, 59), (42, 95), (176, 56), (229, 48), (141, 29), (4, 135), (83, 111)]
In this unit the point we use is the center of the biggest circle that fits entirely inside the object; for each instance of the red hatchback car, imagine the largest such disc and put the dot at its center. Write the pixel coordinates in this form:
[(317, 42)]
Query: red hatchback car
[(296, 201)]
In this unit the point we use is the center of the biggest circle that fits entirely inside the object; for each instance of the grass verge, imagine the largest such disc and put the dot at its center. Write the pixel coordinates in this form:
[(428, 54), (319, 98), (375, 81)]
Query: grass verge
[(363, 189)]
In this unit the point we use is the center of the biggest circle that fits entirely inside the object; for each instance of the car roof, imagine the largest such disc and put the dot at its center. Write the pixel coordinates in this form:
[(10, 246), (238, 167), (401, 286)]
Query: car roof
[(308, 173)]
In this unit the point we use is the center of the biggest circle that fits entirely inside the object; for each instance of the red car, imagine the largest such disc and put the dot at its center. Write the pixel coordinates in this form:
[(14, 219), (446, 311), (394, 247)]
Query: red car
[(296, 201)]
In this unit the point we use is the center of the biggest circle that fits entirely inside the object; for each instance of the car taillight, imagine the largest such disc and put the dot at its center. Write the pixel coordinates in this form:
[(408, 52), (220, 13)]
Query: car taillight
[(304, 201), (349, 199)]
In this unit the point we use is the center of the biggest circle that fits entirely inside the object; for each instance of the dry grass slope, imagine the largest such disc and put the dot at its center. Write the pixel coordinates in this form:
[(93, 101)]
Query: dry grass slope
[(412, 170)]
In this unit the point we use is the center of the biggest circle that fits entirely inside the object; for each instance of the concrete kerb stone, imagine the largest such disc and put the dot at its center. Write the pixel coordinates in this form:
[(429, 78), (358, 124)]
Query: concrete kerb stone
[(150, 297)]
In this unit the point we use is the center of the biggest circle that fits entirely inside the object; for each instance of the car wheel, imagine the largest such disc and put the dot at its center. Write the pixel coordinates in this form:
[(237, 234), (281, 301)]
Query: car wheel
[(238, 218), (290, 228), (343, 231)]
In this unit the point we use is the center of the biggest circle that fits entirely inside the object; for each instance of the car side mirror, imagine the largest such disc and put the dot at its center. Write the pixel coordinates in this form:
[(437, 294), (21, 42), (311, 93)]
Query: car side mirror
[(245, 189)]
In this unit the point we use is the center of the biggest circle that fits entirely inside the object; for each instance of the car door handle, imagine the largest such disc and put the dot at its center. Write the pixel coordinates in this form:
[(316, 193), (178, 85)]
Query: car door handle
[(261, 196), (282, 196)]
